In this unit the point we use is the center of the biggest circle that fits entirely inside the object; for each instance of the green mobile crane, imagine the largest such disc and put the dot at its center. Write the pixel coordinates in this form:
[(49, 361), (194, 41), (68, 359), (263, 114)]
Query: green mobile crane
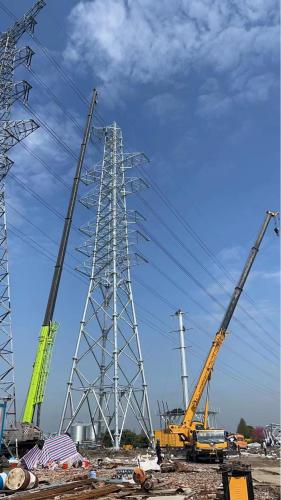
[(41, 366)]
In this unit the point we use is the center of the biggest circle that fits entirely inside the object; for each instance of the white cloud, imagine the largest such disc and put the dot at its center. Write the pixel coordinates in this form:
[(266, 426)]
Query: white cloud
[(163, 105), (213, 102), (258, 87), (156, 40), (243, 88), (231, 255), (267, 275), (29, 169)]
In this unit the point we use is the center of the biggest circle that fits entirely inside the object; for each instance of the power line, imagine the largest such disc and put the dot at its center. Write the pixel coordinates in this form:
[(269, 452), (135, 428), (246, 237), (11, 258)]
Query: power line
[(204, 246), (58, 102), (53, 61), (39, 248), (65, 76), (173, 307), (73, 85), (45, 165), (39, 229), (50, 131), (36, 246), (195, 258), (36, 196), (201, 306), (233, 375), (41, 200), (209, 337), (55, 99), (187, 226), (152, 290), (197, 282), (192, 277), (180, 242), (190, 274), (79, 93)]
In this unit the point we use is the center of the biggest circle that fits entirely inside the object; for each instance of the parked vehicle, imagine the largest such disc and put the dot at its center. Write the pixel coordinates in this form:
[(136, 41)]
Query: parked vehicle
[(235, 440)]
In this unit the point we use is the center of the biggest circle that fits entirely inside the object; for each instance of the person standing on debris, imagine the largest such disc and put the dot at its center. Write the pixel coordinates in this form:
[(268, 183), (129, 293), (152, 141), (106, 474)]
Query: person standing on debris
[(264, 447), (158, 452)]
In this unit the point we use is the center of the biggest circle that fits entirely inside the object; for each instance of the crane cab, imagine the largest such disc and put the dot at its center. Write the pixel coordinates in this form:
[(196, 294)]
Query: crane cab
[(207, 444)]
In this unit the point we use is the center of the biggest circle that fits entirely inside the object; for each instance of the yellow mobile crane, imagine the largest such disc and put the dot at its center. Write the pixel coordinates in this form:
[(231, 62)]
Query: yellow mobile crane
[(192, 434)]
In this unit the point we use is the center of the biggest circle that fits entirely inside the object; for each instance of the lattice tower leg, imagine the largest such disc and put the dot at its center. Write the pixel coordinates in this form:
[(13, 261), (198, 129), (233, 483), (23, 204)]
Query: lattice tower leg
[(107, 378)]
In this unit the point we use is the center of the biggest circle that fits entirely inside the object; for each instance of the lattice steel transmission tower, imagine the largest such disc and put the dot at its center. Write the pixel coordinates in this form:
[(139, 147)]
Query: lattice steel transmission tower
[(107, 378), (11, 132)]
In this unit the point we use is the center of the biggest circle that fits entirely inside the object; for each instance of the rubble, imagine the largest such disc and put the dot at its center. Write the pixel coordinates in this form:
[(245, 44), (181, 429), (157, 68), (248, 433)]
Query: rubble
[(111, 476)]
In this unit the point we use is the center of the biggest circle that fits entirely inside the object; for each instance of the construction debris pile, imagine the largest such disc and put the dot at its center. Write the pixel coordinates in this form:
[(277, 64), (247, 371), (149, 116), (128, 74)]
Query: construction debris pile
[(127, 475)]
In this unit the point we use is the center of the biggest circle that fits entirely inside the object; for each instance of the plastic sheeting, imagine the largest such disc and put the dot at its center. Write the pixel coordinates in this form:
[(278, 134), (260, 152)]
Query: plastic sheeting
[(55, 449)]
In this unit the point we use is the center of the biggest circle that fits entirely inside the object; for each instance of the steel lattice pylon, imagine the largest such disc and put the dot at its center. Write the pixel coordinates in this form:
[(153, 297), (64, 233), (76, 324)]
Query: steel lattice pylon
[(11, 132), (107, 375)]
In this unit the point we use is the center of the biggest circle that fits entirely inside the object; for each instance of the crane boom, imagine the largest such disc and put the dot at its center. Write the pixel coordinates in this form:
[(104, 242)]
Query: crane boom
[(245, 273), (220, 335), (40, 372)]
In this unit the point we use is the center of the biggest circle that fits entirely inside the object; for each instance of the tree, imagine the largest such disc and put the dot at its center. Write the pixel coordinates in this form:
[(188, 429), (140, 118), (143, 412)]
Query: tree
[(106, 440), (242, 428), (258, 434), (128, 437), (250, 428), (141, 441)]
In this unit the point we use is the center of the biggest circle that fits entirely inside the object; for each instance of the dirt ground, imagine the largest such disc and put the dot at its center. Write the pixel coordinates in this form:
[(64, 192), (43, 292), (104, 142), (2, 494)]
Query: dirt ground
[(196, 481)]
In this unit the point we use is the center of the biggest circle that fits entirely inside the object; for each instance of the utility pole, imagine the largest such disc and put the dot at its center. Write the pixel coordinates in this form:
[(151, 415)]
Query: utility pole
[(182, 348), (11, 132), (36, 391), (107, 379)]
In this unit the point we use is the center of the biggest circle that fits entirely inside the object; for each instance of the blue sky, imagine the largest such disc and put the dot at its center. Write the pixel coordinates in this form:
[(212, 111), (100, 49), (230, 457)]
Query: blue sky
[(195, 86)]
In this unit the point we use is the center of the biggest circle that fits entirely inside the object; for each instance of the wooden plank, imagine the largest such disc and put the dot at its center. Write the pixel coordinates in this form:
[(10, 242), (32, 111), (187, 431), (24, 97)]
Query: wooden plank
[(51, 491), (97, 493)]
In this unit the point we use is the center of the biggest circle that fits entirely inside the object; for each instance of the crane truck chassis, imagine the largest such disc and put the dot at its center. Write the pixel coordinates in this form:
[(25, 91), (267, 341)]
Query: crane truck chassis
[(193, 436), (206, 444), (202, 444)]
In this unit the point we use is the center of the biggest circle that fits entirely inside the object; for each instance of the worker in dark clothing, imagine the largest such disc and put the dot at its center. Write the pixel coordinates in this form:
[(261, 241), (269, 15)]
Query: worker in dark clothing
[(264, 448), (158, 452)]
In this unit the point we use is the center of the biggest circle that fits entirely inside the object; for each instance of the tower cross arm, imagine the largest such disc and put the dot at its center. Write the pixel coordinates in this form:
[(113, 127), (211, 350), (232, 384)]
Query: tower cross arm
[(26, 23)]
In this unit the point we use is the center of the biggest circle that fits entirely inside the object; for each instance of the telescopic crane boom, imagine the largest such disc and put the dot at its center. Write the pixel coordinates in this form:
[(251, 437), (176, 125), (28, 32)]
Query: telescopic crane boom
[(40, 372), (206, 371)]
